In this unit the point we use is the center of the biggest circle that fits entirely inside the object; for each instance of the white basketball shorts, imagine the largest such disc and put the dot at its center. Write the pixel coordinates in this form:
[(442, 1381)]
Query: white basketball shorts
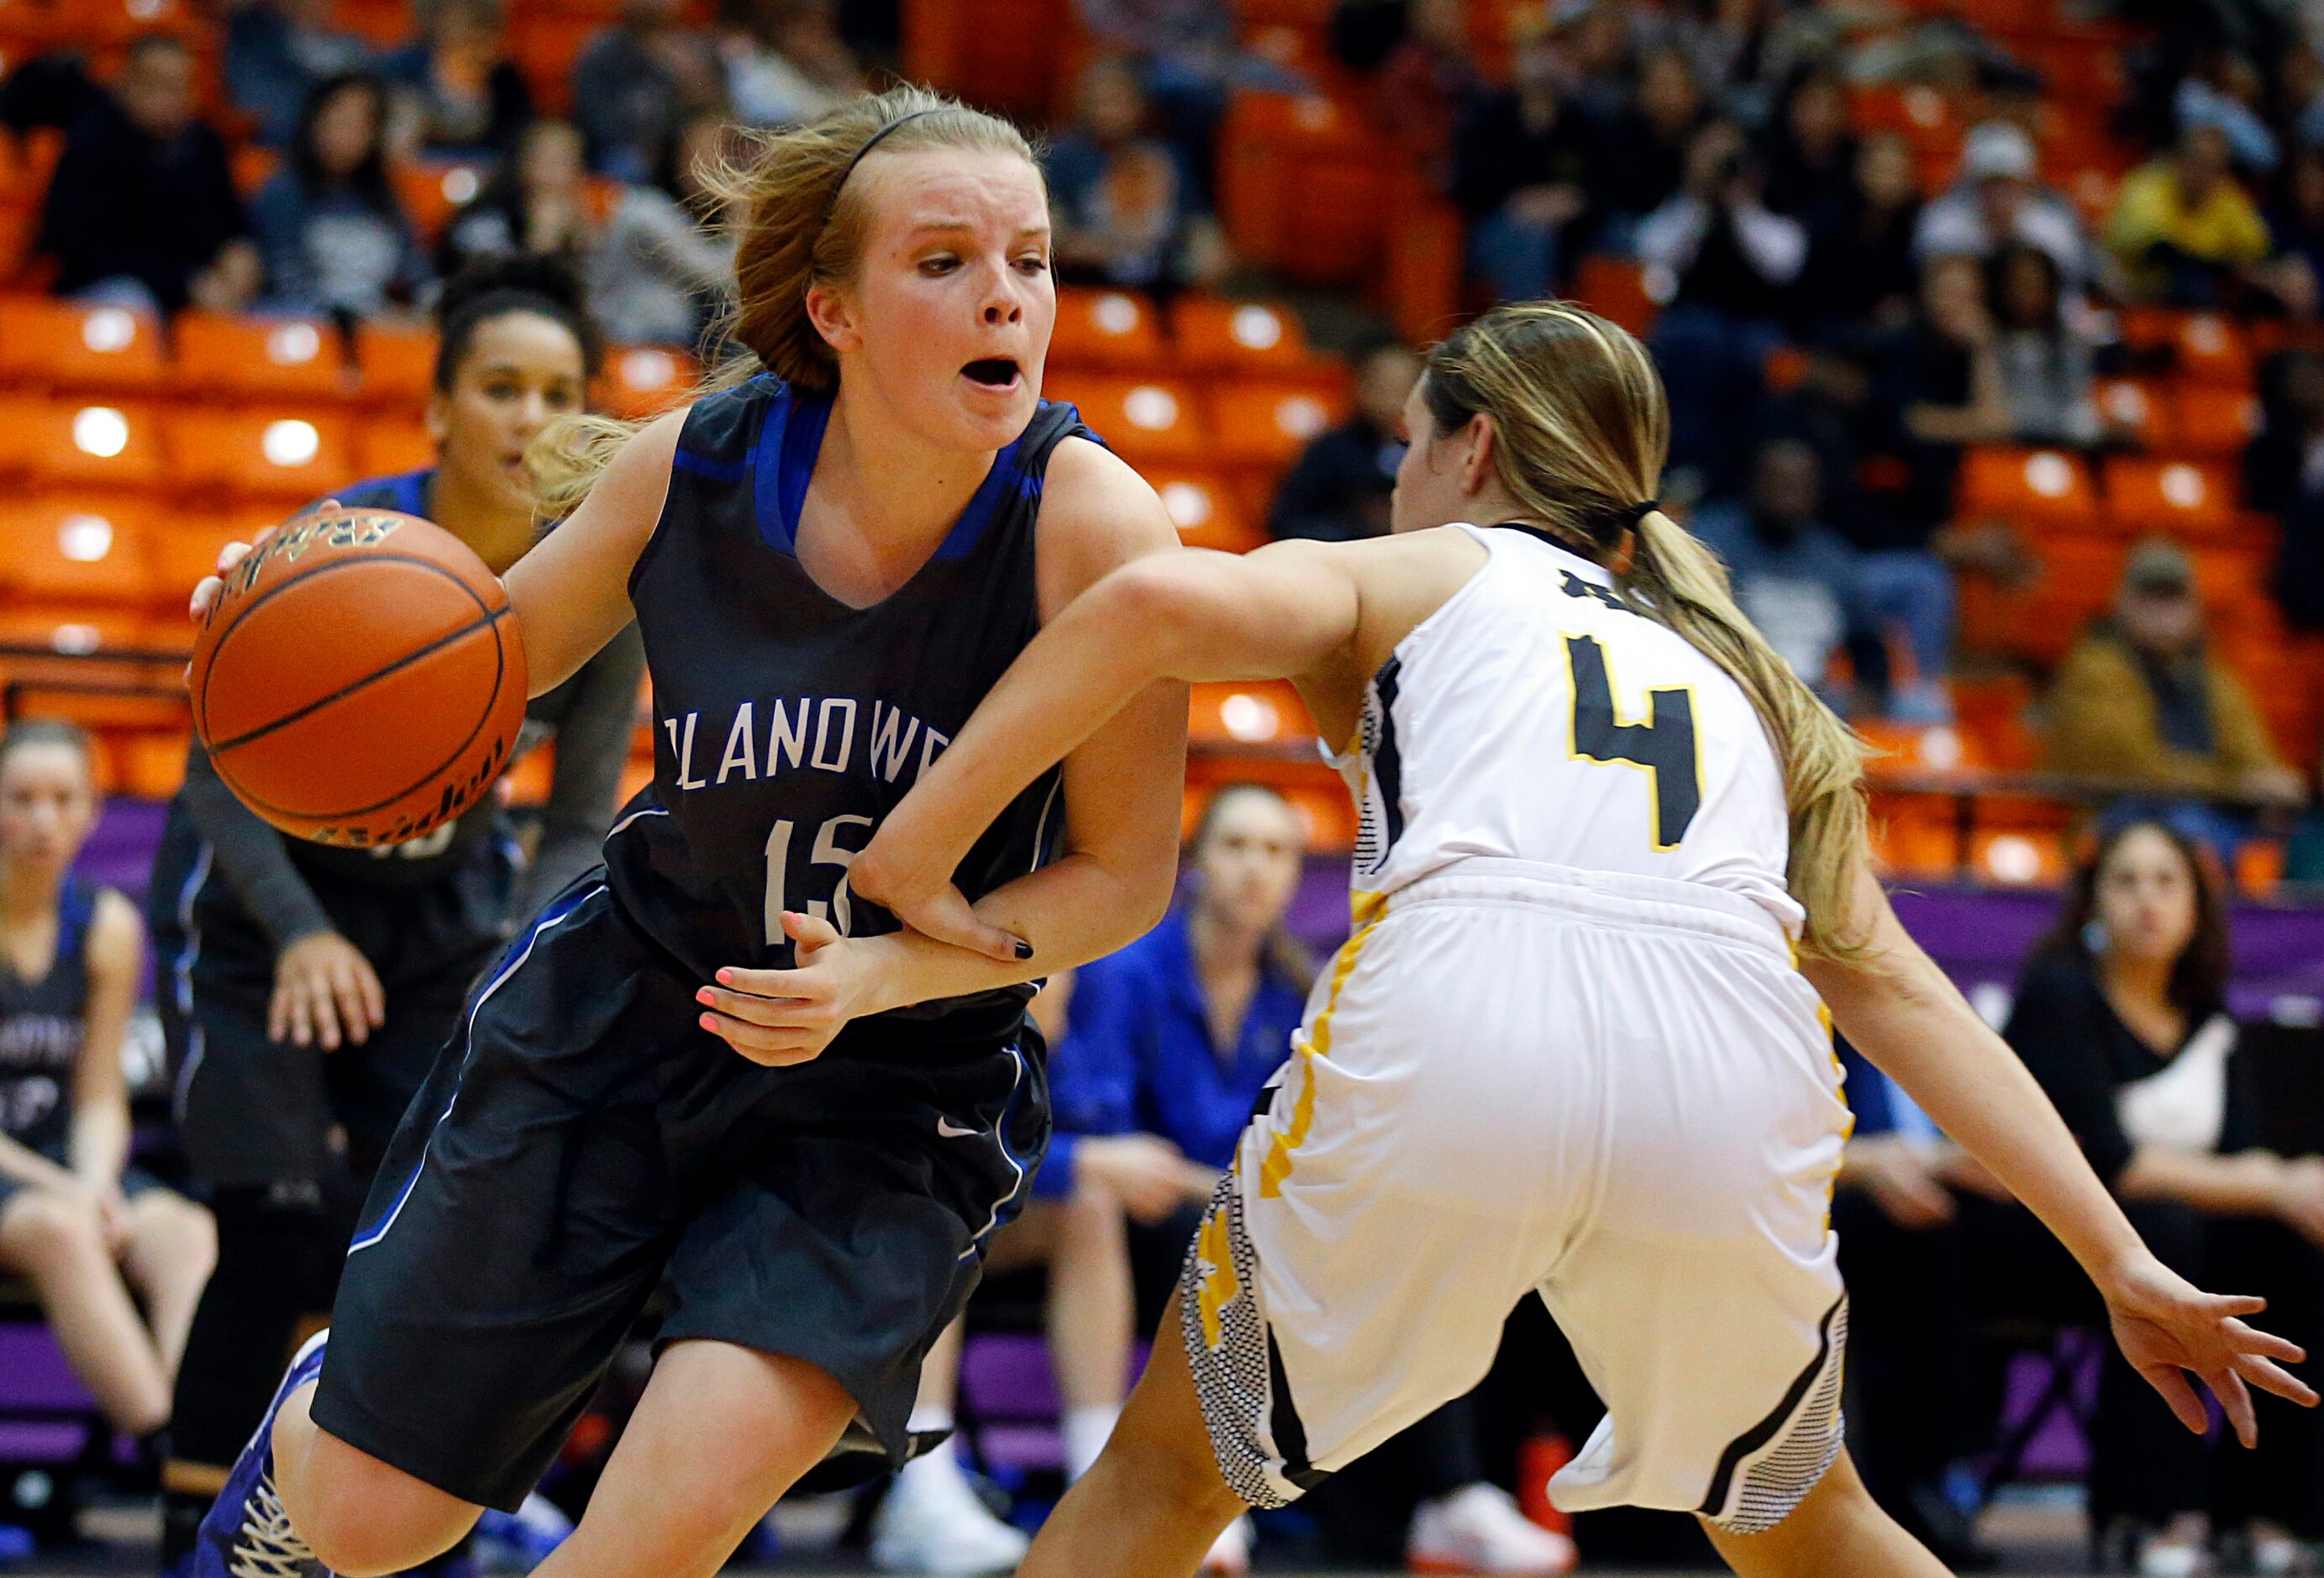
[(1617, 1092)]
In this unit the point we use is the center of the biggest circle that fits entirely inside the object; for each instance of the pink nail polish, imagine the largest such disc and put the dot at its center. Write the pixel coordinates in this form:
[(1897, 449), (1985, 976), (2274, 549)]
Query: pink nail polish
[(709, 1023), (725, 977)]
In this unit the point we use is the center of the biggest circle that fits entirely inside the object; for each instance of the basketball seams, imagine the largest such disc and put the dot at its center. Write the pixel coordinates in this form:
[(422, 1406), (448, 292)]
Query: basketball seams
[(302, 577), (485, 717), (309, 709)]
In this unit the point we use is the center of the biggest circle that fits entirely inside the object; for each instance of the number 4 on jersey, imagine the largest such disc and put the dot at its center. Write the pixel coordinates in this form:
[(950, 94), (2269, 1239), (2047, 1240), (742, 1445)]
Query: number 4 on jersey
[(1664, 745)]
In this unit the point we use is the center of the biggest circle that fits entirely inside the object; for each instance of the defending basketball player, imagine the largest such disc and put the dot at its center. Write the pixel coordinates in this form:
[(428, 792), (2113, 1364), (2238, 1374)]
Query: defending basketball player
[(1568, 1049), (828, 564)]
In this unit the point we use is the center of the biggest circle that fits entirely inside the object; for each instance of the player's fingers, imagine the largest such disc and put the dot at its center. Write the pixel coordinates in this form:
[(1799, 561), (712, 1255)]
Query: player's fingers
[(278, 1014), (2235, 1401), (321, 1004), (947, 917), (302, 1021), (768, 1049), (812, 933), (2270, 1377), (2251, 1340), (347, 1006), (2172, 1382), (234, 553), (206, 597), (372, 996), (2229, 1306), (766, 1011)]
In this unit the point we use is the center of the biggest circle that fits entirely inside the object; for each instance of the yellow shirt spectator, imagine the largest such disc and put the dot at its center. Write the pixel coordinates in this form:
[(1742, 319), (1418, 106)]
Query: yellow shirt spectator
[(2187, 204)]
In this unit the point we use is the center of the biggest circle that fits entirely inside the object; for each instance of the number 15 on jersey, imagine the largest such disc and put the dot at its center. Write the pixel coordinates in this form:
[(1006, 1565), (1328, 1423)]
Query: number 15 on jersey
[(827, 851)]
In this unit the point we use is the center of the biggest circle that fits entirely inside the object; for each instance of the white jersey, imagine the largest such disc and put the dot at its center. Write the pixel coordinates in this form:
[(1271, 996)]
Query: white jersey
[(1534, 717)]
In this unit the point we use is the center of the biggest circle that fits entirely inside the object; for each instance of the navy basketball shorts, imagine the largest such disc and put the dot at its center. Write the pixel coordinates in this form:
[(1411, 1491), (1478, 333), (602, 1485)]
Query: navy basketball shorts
[(582, 1138)]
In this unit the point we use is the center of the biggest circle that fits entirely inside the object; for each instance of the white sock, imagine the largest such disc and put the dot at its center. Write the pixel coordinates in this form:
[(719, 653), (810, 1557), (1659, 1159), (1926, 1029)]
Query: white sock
[(937, 1462), (1085, 1431)]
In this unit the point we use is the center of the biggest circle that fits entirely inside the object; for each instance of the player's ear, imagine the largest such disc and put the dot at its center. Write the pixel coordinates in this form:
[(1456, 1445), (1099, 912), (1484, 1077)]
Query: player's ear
[(833, 316), (438, 417), (1476, 440)]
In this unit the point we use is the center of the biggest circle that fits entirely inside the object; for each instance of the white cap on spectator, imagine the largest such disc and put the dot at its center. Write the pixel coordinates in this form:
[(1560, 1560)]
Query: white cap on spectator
[(1997, 151)]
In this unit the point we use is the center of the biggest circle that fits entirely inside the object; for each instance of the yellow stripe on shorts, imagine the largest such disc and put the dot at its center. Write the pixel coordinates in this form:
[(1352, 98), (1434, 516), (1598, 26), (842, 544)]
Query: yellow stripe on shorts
[(1367, 910)]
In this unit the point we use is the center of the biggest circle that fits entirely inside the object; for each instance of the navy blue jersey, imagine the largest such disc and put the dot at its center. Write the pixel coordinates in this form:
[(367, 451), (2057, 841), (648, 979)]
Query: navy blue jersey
[(43, 1024), (786, 722)]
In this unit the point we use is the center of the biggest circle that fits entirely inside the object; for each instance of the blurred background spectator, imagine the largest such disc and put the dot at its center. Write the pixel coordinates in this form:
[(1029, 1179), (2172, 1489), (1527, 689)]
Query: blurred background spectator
[(2142, 697), (1428, 82), (1647, 140), (1126, 208), (2283, 473), (1339, 489), (1996, 200), (787, 62), (2043, 355), (142, 209), (1811, 149), (2187, 235), (457, 82), (1860, 269), (1523, 165), (1793, 576), (276, 52), (334, 234), (538, 203), (664, 263), (638, 81)]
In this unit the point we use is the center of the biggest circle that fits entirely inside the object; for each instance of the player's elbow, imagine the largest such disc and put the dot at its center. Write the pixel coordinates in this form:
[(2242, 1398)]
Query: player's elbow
[(1158, 603)]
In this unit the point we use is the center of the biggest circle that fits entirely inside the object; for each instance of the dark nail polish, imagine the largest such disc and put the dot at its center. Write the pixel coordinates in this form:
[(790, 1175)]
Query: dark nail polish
[(1024, 949)]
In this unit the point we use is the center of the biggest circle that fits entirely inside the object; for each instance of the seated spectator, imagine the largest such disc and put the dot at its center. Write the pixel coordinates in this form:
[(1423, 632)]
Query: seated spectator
[(664, 265), (1125, 211), (537, 204), (466, 96), (1995, 200), (2283, 473), (1645, 144), (2044, 358), (2225, 90), (638, 81), (1427, 85), (1732, 264), (1861, 268), (86, 1228), (1795, 577), (1188, 64), (1340, 488), (276, 52), (1942, 376), (786, 62), (142, 208), (2121, 1016), (335, 235), (1523, 165), (2140, 698), (1810, 153), (2186, 234), (2296, 219)]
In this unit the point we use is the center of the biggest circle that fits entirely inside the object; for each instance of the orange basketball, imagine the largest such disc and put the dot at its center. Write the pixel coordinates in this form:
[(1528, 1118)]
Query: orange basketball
[(360, 679)]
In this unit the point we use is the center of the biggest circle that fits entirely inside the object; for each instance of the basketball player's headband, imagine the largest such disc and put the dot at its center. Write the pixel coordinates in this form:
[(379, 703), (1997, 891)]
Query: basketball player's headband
[(871, 143)]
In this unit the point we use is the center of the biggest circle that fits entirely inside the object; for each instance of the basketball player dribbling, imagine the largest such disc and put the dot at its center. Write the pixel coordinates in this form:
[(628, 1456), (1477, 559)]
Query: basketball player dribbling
[(706, 1058), (1611, 852)]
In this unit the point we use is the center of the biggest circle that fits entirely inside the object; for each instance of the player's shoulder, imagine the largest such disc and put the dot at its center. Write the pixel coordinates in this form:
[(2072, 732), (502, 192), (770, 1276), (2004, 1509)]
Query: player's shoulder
[(1098, 514)]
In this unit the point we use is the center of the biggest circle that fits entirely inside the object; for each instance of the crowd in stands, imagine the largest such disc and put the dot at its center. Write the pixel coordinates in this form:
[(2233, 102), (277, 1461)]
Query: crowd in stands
[(1842, 328)]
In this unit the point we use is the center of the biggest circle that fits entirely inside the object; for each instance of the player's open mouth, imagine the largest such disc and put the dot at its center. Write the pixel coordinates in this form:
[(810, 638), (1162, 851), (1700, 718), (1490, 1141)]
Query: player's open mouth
[(992, 371)]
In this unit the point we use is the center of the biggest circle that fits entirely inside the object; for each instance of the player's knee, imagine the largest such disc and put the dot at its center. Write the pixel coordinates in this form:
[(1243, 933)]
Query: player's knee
[(362, 1518), (183, 1234), (45, 1228)]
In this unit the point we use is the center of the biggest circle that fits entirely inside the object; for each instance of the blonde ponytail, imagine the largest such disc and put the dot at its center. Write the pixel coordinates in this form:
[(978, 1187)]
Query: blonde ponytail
[(1581, 426), (800, 220)]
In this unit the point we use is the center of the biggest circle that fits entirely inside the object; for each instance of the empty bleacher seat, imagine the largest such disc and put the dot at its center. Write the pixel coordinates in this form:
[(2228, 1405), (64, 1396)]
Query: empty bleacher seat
[(2029, 484), (396, 364), (2182, 497), (104, 443), (77, 547), (644, 381), (1267, 424), (1206, 511), (260, 358), (286, 453), (1145, 419), (69, 346), (1217, 333), (1107, 328)]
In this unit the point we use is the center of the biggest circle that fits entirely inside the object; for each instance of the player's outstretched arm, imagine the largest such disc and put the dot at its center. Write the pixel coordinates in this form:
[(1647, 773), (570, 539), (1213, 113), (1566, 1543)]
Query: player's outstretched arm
[(1906, 1017), (571, 592), (1273, 613)]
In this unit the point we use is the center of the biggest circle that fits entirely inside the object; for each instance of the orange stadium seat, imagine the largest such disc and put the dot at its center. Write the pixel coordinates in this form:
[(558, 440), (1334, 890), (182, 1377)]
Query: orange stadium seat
[(1206, 512), (2213, 422), (2140, 406), (1269, 424), (1216, 333), (96, 443), (396, 364), (2076, 577), (71, 630), (2182, 497), (544, 46), (253, 358), (1010, 54), (75, 547), (2206, 347), (1614, 288), (62, 345), (433, 192), (185, 548), (385, 448), (1152, 420), (281, 453), (1303, 187), (644, 381), (1107, 328), (2027, 484)]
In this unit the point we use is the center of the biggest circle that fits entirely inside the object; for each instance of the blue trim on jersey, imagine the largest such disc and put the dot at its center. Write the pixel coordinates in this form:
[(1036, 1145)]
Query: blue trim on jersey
[(710, 466), (790, 439), (997, 1219), (406, 490)]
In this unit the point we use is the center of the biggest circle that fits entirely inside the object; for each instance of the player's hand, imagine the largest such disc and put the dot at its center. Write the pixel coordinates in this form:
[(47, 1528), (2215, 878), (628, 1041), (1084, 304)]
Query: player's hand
[(917, 889), (326, 992), (112, 1215), (208, 590), (778, 1018), (1144, 1172), (1901, 1181), (2167, 1326), (2300, 1198)]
